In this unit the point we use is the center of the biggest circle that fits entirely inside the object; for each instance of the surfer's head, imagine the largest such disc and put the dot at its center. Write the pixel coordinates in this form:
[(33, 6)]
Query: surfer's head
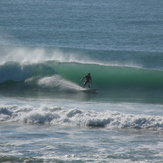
[(89, 74)]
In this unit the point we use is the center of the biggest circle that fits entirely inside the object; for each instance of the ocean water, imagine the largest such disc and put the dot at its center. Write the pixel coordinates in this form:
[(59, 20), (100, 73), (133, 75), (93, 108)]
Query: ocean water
[(46, 47)]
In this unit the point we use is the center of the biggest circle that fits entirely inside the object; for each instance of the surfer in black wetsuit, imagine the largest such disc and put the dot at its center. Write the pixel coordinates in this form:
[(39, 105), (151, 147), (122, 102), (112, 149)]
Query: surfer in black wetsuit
[(88, 80)]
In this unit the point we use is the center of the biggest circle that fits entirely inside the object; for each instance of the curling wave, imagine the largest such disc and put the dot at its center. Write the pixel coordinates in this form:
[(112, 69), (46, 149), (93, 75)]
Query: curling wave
[(56, 74)]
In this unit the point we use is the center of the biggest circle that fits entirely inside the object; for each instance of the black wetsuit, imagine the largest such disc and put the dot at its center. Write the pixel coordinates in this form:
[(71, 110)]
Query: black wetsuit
[(88, 79)]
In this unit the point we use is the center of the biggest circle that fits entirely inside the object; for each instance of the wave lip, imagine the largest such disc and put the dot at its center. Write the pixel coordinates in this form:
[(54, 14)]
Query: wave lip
[(17, 71), (61, 116)]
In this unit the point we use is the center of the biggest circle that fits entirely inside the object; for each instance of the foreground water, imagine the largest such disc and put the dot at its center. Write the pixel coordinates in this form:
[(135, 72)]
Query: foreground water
[(74, 144), (46, 47), (55, 130)]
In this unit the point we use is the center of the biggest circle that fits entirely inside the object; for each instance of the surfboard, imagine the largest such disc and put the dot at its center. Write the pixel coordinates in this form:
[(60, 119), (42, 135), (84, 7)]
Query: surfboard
[(90, 90)]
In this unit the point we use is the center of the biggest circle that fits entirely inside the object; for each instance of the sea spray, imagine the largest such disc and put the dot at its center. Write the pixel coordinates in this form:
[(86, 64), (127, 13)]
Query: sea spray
[(57, 82)]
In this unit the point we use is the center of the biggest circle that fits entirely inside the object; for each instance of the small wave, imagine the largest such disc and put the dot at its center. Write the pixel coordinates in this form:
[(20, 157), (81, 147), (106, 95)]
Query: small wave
[(61, 116)]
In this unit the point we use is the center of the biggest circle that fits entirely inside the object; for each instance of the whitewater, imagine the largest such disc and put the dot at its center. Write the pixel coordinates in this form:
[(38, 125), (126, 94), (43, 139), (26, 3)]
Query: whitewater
[(46, 47)]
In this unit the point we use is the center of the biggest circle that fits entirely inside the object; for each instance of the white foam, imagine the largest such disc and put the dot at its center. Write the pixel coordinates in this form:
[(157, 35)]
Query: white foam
[(77, 117)]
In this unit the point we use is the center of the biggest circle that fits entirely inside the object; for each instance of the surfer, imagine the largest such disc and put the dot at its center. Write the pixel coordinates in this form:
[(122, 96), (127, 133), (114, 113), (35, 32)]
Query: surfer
[(88, 80)]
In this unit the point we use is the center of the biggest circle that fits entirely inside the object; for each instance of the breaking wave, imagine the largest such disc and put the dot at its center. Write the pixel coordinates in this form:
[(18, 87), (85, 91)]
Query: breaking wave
[(77, 117), (62, 69), (62, 75)]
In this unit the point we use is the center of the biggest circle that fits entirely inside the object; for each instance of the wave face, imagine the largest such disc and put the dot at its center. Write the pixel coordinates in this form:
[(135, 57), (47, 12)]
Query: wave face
[(63, 69), (114, 76), (51, 74), (77, 117)]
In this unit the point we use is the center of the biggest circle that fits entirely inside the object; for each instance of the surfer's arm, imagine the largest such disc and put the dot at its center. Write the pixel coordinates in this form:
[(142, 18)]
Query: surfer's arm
[(82, 78)]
